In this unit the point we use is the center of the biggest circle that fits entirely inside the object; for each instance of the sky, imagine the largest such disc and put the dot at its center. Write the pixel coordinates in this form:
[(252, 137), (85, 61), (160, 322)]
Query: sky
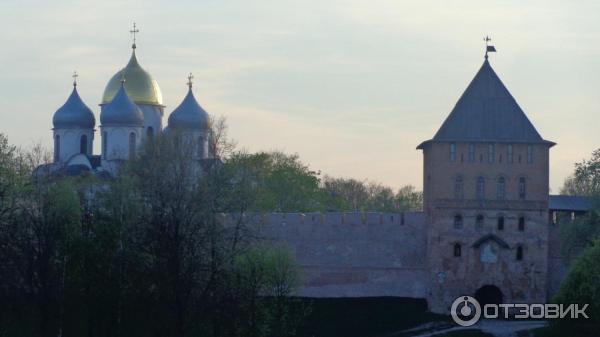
[(351, 86)]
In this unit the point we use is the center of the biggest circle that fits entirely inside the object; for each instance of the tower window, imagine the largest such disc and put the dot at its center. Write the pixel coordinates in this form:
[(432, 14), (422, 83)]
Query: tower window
[(522, 188), (509, 154), (104, 143), (519, 253), (201, 147), (458, 221), (471, 153), (501, 188), (491, 153), (480, 192), (457, 250), (529, 154), (150, 134), (57, 148), (452, 152), (458, 187), (132, 145), (521, 223), (479, 221), (83, 144), (501, 223)]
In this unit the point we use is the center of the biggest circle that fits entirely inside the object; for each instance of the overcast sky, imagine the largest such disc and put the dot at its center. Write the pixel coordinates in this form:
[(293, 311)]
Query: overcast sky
[(351, 86)]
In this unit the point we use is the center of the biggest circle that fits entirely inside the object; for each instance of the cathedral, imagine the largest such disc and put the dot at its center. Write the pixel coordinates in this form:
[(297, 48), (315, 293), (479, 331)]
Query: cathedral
[(131, 113), (488, 228)]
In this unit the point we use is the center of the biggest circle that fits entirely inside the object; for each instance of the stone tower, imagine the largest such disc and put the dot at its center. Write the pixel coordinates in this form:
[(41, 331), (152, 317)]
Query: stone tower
[(485, 190)]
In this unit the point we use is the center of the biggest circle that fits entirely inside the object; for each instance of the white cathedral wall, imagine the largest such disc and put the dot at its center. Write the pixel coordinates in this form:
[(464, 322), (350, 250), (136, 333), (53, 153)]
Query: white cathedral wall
[(196, 140), (69, 142), (153, 115), (117, 141)]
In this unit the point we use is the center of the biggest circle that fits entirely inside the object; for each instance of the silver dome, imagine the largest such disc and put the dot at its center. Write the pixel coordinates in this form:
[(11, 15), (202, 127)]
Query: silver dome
[(74, 114), (189, 114), (121, 111)]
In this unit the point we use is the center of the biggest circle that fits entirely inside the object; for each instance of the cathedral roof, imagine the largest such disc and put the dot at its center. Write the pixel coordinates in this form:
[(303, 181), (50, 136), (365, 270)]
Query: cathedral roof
[(141, 87), (74, 113), (121, 111), (189, 114), (487, 112)]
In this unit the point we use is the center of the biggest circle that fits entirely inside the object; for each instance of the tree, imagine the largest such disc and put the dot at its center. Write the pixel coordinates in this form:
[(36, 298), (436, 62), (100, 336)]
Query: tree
[(585, 181)]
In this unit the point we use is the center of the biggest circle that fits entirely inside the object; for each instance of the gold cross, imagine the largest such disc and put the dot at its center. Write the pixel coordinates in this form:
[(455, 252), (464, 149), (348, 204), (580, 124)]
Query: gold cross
[(134, 31), (487, 39), (189, 82), (75, 75)]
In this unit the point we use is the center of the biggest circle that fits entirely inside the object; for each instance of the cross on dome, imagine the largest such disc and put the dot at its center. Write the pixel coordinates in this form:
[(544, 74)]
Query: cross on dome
[(134, 31), (189, 82), (75, 75)]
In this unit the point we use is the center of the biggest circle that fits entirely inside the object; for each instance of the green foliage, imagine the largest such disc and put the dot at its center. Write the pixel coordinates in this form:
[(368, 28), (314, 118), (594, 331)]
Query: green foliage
[(585, 180), (582, 286)]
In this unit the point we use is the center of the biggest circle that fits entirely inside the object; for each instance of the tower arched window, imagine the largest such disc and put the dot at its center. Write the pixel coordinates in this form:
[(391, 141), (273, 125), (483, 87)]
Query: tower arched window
[(201, 147), (480, 192), (479, 221), (57, 148), (83, 144), (104, 143), (500, 222), (501, 188), (149, 134), (457, 250), (458, 221), (519, 253), (132, 145), (458, 187), (452, 151), (521, 223), (522, 188)]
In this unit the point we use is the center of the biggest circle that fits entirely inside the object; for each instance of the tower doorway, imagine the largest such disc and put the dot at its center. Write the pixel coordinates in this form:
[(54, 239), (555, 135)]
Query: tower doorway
[(488, 294)]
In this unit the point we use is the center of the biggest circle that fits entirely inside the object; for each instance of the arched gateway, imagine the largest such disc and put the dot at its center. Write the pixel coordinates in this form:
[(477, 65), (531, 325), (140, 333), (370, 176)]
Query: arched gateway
[(489, 294)]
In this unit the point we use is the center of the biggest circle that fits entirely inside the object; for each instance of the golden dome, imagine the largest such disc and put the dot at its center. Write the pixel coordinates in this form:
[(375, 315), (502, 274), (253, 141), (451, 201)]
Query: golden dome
[(139, 84)]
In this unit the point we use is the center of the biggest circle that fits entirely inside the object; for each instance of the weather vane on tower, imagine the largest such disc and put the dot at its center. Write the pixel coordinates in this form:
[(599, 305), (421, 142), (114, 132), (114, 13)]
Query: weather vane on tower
[(488, 48), (134, 31), (189, 82)]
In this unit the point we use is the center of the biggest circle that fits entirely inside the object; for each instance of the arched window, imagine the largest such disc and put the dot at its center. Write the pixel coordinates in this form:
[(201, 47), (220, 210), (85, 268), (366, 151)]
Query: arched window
[(56, 148), (479, 221), (529, 154), (149, 134), (519, 253), (458, 221), (522, 188), (471, 153), (458, 187), (104, 143), (521, 223), (201, 147), (509, 154), (501, 188), (457, 250), (500, 222), (480, 193), (491, 153), (452, 152), (83, 144), (132, 145)]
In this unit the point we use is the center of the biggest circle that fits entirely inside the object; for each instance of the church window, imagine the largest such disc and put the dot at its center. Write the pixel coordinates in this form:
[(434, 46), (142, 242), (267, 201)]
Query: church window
[(104, 143), (457, 250), (501, 223), (458, 187), (501, 188), (471, 153), (452, 152), (491, 153), (83, 144), (519, 253), (458, 221), (509, 154), (480, 192), (57, 148), (529, 154), (519, 159), (522, 188), (132, 145), (479, 221), (521, 223), (201, 147), (150, 134)]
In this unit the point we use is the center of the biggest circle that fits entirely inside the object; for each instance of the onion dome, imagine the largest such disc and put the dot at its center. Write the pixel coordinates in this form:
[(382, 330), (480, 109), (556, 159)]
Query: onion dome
[(121, 111), (74, 113), (189, 114), (140, 86)]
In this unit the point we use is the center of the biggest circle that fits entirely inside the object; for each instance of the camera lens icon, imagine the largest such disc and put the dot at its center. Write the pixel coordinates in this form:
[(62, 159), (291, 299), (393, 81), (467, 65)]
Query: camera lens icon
[(465, 311)]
